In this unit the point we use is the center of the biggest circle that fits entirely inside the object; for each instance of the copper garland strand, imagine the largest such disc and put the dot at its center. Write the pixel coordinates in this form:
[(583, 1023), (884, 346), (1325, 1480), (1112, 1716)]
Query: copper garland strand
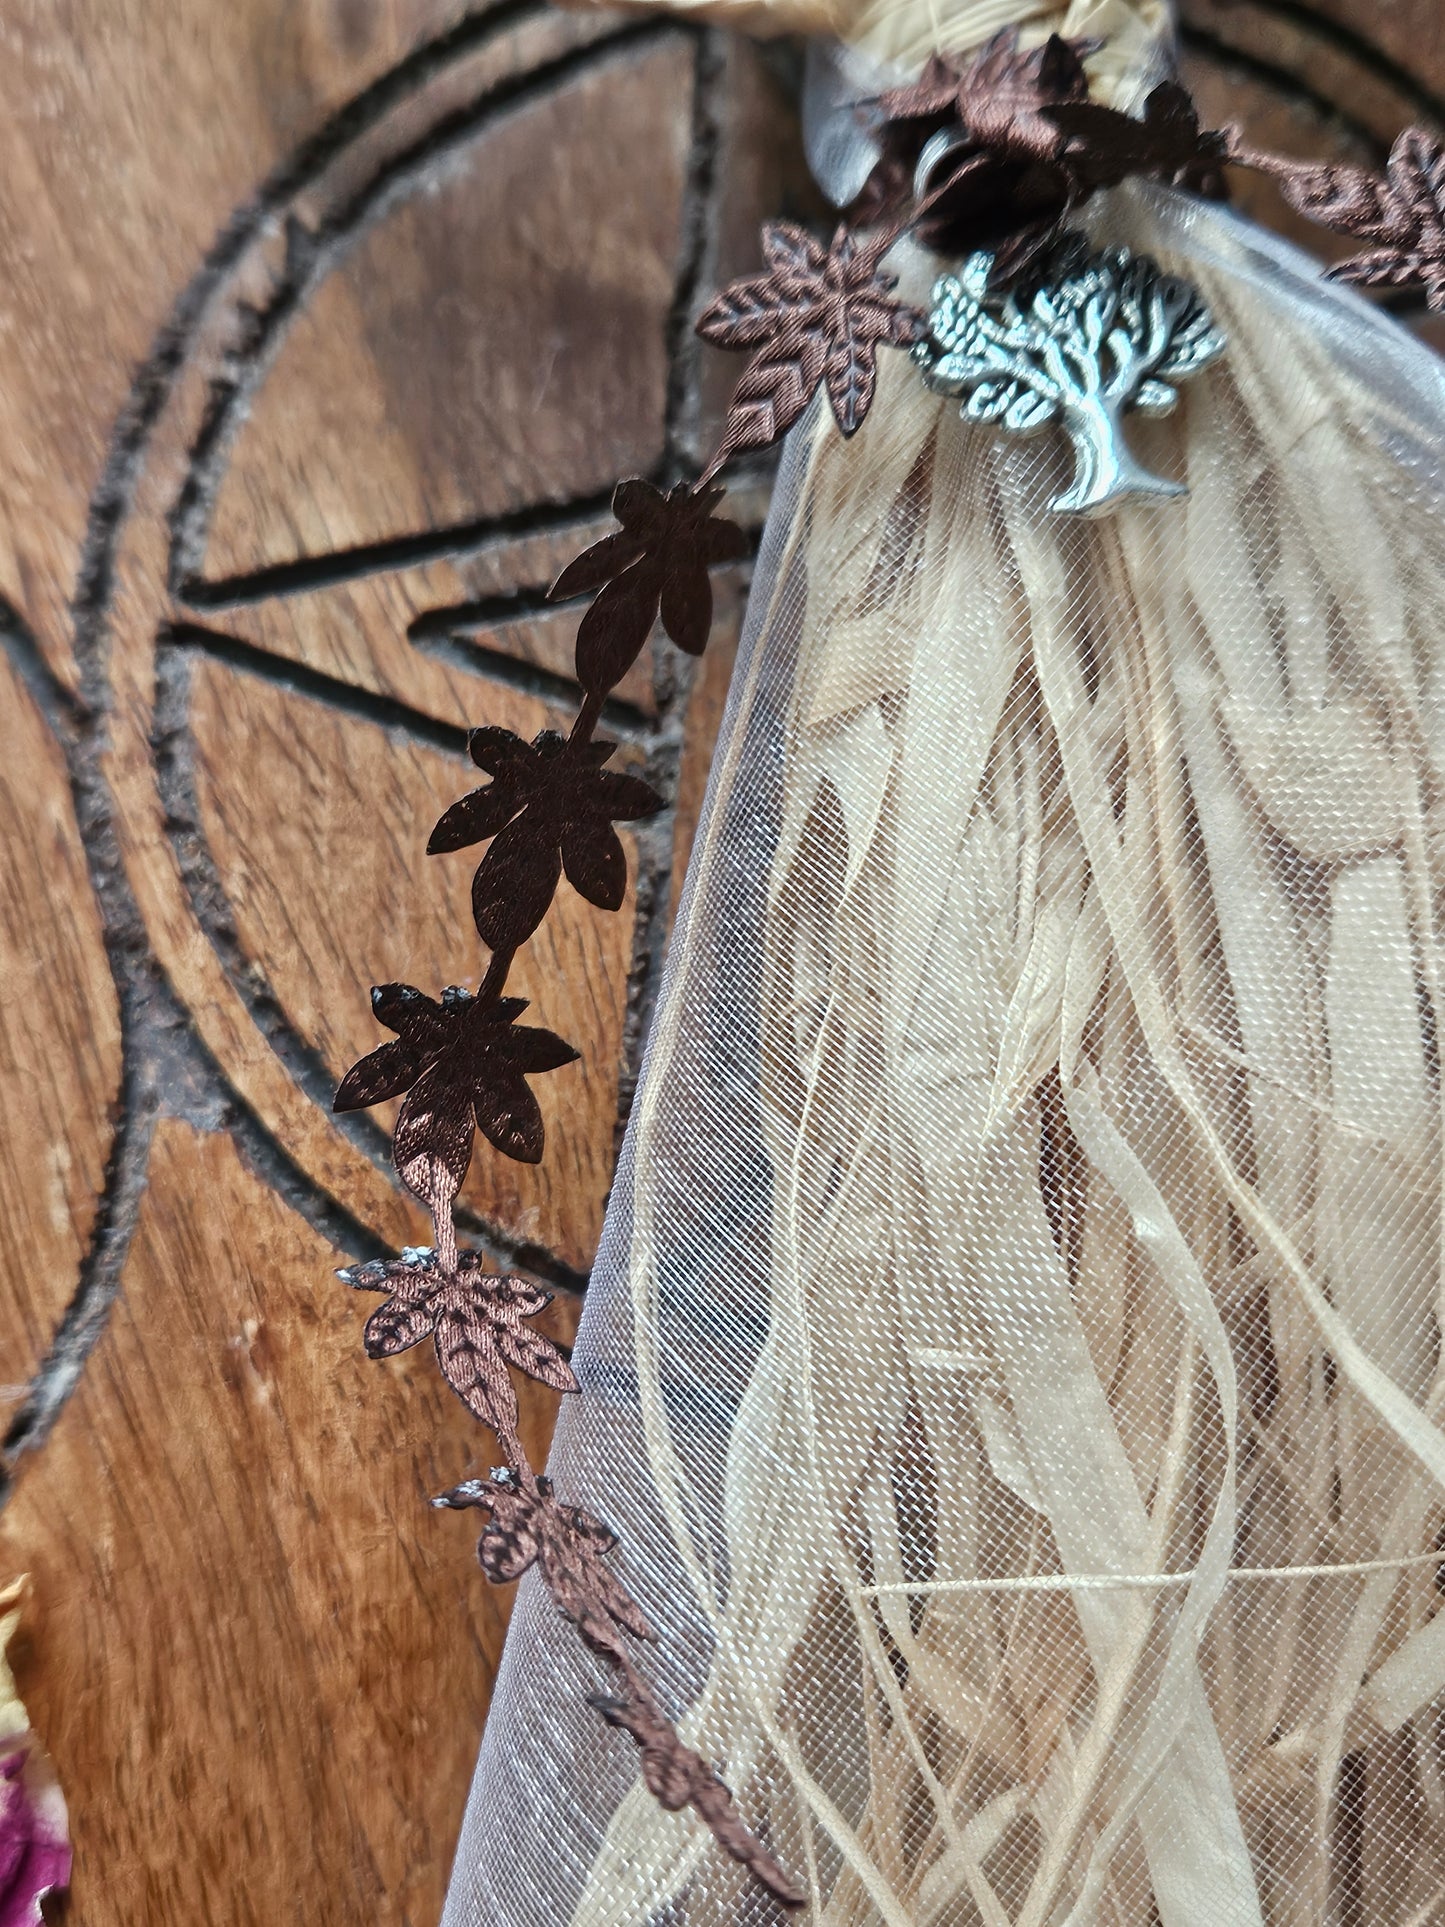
[(460, 1065), (1028, 149)]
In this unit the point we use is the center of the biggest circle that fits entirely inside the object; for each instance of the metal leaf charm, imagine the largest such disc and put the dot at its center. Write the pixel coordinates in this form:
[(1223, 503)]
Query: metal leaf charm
[(814, 316), (477, 1321), (463, 1064), (1087, 338), (529, 1526), (676, 1776), (1401, 213)]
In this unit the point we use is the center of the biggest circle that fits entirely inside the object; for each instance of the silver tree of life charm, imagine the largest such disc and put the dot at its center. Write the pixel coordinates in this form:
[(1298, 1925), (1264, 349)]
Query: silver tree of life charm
[(1084, 339)]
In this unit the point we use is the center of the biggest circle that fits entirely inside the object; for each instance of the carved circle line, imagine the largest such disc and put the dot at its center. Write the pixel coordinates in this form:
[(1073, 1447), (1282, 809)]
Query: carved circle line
[(166, 428), (314, 254), (147, 439)]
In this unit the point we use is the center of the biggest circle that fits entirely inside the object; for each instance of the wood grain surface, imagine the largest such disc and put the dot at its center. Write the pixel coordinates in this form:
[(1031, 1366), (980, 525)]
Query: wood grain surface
[(325, 328)]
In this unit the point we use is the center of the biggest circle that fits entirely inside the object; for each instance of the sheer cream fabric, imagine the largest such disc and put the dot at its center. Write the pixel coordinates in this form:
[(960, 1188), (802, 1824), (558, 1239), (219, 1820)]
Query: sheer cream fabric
[(1013, 1365), (1014, 1360)]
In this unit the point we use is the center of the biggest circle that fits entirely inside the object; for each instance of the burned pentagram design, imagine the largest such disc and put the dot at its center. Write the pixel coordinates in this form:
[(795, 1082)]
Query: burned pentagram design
[(326, 535)]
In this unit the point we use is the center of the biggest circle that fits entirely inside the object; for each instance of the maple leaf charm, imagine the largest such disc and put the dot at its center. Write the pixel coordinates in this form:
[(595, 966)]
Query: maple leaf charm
[(995, 96), (530, 1527), (972, 139), (995, 99), (475, 1319), (1401, 213), (677, 1776), (655, 565), (463, 1065), (814, 317), (549, 807), (1104, 147)]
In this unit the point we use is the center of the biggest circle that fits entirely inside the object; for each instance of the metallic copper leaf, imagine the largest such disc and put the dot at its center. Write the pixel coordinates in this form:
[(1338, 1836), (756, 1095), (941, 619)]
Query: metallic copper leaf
[(614, 631), (932, 97), (387, 1072), (472, 1364), (813, 317), (431, 1146), (472, 819), (774, 392), (596, 863), (498, 751), (529, 1527), (516, 881), (1005, 173), (550, 804), (512, 1541), (1333, 195), (851, 373), (1168, 143), (713, 1803), (471, 1061), (597, 565), (666, 1763), (676, 1776), (512, 765), (510, 1118), (1028, 146), (396, 1328), (999, 86), (478, 1321), (1402, 212), (529, 1050), (1053, 72), (535, 1356), (405, 1319), (480, 1331), (405, 1276), (686, 606), (656, 564), (1385, 268)]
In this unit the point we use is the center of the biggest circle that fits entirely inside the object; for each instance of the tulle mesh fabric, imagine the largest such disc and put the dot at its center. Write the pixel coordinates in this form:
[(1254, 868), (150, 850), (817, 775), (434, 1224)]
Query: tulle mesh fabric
[(1013, 1363)]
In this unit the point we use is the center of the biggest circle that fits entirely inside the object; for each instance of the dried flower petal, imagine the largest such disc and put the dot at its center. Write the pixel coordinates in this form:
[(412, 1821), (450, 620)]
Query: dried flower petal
[(34, 1827)]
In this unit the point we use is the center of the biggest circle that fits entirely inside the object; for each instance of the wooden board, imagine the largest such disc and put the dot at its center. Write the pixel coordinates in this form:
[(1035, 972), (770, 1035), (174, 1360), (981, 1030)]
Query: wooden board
[(326, 327), (273, 1655)]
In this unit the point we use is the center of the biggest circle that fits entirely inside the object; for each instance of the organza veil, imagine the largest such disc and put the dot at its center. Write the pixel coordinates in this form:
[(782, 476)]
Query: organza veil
[(1013, 1363)]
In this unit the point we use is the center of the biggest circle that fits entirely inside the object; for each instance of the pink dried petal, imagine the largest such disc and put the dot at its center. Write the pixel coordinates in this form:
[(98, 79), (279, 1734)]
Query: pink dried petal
[(34, 1836)]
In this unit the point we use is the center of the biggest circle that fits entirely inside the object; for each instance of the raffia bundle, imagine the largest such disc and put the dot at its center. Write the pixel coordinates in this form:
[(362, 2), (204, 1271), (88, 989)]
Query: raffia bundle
[(1017, 1344), (902, 33)]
